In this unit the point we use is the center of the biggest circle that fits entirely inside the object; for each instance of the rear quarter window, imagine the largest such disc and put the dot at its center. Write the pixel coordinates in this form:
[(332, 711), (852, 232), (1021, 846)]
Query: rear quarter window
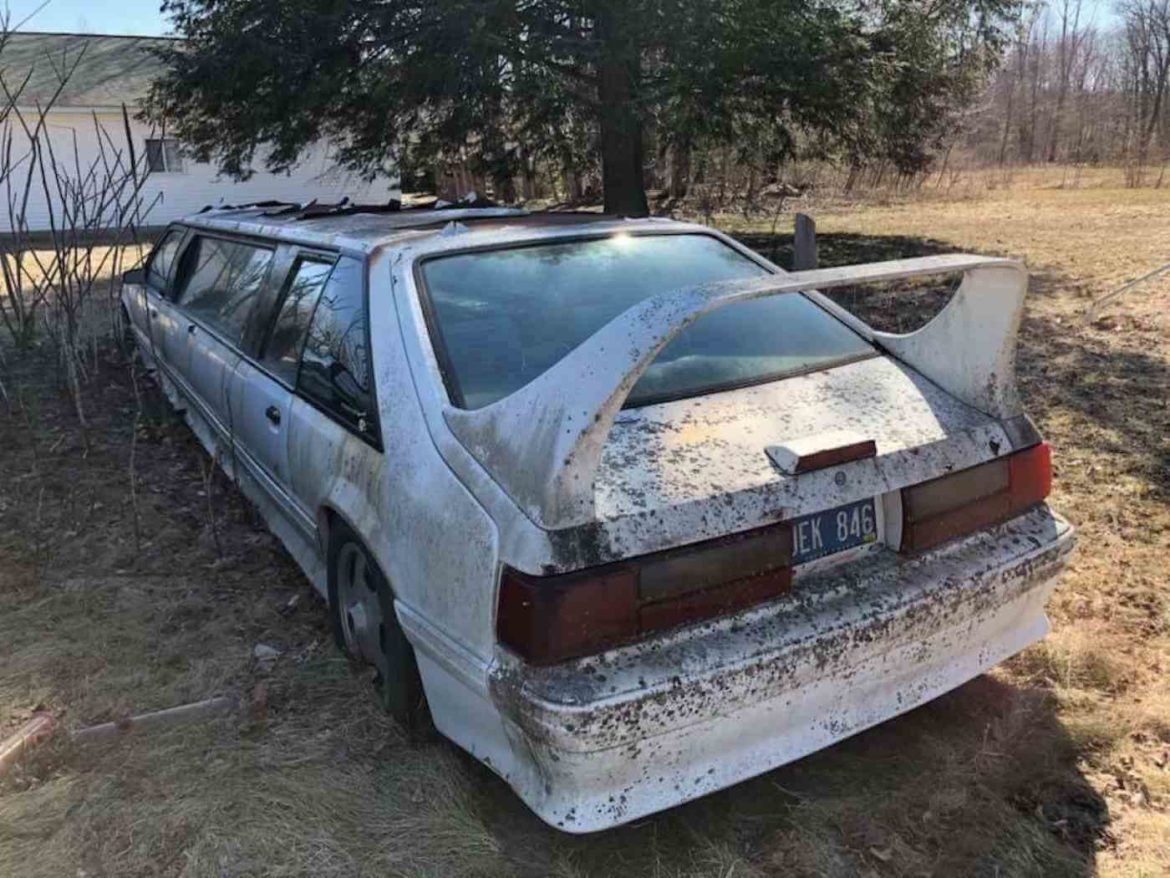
[(282, 352), (502, 317), (335, 368)]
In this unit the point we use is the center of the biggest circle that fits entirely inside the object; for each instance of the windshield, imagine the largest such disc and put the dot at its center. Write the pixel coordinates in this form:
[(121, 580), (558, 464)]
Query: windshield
[(503, 317)]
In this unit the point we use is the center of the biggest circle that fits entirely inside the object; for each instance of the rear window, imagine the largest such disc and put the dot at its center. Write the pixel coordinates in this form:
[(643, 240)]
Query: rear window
[(503, 317)]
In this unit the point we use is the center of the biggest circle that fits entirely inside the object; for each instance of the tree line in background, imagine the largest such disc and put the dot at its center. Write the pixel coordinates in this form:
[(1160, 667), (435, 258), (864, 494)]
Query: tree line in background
[(1070, 90), (576, 97), (719, 102)]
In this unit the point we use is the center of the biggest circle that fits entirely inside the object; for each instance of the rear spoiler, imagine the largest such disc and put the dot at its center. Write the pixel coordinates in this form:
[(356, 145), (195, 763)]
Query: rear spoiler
[(542, 444)]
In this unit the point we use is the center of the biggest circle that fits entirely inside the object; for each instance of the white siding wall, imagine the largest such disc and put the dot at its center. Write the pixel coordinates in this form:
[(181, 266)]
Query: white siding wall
[(172, 194)]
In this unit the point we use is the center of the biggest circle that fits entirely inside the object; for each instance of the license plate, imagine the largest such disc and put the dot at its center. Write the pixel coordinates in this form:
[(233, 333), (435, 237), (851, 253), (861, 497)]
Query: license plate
[(834, 530)]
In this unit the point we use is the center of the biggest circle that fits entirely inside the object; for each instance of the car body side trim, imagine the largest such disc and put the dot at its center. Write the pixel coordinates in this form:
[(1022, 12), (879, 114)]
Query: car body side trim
[(444, 650), (283, 501)]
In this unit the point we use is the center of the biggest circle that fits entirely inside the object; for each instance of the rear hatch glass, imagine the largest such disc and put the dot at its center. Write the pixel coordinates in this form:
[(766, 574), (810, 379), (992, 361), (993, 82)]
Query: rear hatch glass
[(499, 318)]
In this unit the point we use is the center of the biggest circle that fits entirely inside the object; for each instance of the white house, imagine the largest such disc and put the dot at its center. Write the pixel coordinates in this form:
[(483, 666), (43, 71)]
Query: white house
[(107, 73)]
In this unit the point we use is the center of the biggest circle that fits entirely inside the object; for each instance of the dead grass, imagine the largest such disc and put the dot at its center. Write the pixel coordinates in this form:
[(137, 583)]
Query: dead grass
[(1054, 765), (1101, 395)]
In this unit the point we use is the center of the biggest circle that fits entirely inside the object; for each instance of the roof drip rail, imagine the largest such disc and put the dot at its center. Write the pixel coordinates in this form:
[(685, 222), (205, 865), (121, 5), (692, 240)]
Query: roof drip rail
[(394, 205), (345, 208), (281, 209), (313, 209)]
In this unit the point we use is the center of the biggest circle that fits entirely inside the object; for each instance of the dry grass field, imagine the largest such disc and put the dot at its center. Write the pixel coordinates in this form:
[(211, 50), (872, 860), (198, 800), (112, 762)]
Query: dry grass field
[(133, 577)]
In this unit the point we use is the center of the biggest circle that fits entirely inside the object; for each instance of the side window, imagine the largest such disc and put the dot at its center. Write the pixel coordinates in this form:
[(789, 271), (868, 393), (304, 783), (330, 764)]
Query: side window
[(162, 260), (282, 353), (335, 366), (221, 280)]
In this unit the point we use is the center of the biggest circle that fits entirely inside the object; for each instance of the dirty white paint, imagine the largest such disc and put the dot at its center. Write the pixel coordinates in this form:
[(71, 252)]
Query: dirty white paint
[(618, 736), (679, 459), (558, 477)]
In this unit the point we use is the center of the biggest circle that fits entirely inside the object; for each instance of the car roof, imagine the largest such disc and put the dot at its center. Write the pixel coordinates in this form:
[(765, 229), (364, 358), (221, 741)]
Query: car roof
[(364, 229)]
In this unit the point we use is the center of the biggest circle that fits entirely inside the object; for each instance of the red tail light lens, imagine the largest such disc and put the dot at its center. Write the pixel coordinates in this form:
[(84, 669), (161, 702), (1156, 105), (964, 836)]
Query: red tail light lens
[(551, 618), (971, 499)]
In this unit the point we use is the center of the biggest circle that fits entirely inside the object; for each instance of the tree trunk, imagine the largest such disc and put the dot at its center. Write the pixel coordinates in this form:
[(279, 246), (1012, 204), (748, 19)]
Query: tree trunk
[(1007, 123), (621, 128), (659, 178), (504, 189), (680, 169), (528, 182), (1057, 115), (574, 190)]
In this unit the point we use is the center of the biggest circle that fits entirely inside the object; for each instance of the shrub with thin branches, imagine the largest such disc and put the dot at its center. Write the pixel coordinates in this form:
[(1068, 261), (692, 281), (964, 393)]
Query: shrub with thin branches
[(61, 283)]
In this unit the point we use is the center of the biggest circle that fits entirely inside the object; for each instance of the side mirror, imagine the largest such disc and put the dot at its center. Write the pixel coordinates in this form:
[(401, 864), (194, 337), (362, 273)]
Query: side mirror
[(135, 276)]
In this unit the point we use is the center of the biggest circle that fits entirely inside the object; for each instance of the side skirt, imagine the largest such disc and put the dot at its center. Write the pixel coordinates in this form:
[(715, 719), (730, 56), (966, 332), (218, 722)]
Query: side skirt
[(304, 549)]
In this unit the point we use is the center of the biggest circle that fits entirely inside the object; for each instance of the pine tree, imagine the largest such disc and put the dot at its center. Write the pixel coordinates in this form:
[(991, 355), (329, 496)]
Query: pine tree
[(505, 83)]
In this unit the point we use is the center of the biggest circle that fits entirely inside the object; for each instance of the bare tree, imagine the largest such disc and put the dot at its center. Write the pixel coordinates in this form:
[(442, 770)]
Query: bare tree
[(1069, 48), (1068, 92), (54, 278), (1147, 66)]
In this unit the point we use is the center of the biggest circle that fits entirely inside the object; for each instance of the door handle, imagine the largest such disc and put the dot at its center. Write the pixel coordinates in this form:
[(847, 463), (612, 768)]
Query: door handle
[(190, 329), (273, 414)]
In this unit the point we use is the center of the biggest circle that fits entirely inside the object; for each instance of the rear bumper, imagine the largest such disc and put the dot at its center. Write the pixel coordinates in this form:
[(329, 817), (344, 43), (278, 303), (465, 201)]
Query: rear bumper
[(601, 741)]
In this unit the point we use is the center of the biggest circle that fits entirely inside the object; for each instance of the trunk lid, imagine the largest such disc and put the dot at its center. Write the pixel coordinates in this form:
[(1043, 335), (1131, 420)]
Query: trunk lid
[(701, 466)]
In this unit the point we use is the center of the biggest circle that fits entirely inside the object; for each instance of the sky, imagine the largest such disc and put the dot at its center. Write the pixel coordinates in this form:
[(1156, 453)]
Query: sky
[(138, 17), (142, 17)]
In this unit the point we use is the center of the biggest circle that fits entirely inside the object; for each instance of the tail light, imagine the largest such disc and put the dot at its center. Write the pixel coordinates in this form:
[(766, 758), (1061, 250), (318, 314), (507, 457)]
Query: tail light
[(551, 618), (963, 502), (547, 619)]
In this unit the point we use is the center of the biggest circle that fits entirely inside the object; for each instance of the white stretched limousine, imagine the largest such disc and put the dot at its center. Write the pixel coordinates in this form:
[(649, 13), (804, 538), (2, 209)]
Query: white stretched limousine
[(632, 511)]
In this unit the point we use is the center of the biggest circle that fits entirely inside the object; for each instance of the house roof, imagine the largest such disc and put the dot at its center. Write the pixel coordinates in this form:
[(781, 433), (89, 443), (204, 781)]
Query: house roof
[(102, 71)]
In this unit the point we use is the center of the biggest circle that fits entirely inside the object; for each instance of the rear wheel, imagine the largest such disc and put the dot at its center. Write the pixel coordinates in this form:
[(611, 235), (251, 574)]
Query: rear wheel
[(366, 627)]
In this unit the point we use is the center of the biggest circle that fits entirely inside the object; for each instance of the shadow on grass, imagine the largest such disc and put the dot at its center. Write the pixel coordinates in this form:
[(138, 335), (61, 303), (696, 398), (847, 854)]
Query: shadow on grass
[(891, 307), (1114, 394), (982, 781)]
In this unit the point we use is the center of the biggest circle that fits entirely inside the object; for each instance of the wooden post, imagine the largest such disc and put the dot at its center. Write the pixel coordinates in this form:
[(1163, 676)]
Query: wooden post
[(25, 738), (184, 713), (805, 243)]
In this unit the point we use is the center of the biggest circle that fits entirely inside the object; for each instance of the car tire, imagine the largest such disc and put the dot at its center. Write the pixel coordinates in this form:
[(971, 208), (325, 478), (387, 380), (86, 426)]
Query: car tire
[(366, 627)]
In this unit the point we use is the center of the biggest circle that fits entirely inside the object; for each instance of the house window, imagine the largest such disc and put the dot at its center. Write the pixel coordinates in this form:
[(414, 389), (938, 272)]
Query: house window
[(163, 156)]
